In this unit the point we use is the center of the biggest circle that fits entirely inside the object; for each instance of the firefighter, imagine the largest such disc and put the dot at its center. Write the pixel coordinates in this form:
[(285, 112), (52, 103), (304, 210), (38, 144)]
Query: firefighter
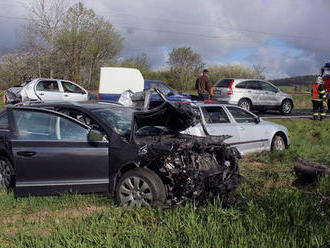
[(319, 97)]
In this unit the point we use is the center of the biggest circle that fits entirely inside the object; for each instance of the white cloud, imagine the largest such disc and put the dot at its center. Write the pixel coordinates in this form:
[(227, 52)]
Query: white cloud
[(215, 28)]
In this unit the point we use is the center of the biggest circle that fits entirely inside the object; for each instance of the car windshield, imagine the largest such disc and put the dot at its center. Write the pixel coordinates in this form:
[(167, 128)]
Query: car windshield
[(119, 119), (163, 88)]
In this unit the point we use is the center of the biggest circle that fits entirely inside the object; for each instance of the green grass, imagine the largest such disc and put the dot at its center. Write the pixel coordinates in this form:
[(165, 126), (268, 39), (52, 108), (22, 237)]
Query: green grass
[(270, 209)]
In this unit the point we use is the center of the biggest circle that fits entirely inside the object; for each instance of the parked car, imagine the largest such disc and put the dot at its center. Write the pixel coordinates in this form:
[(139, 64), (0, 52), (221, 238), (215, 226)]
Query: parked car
[(171, 94), (43, 89), (252, 94), (248, 132), (140, 156)]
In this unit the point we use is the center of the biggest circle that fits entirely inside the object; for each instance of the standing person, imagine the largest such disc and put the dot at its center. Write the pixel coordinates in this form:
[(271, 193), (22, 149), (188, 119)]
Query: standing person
[(318, 98), (203, 86)]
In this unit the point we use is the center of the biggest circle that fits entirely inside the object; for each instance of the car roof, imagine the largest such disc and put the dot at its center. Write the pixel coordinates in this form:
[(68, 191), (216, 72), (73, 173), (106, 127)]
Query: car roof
[(90, 105)]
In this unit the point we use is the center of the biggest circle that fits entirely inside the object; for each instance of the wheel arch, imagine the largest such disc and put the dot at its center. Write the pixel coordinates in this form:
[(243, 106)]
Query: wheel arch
[(5, 154)]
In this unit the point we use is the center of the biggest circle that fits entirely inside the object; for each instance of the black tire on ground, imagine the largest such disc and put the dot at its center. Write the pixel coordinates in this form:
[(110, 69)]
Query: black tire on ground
[(7, 173), (286, 107), (245, 104), (278, 144), (140, 187)]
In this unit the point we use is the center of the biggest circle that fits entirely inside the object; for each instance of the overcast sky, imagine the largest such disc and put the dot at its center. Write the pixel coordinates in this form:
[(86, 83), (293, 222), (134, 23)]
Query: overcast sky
[(287, 37)]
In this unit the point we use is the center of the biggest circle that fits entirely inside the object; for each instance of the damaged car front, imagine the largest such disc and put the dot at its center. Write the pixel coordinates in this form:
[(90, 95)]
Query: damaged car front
[(140, 156), (175, 167)]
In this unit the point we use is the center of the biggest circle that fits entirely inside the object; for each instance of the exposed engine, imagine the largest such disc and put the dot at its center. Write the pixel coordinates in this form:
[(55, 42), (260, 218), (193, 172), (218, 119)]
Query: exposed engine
[(191, 167)]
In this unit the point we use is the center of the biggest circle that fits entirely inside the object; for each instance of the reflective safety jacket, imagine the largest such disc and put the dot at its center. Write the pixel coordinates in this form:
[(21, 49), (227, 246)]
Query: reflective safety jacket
[(318, 92)]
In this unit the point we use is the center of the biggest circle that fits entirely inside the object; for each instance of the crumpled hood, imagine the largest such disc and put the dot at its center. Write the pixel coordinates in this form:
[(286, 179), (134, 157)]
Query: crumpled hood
[(173, 115)]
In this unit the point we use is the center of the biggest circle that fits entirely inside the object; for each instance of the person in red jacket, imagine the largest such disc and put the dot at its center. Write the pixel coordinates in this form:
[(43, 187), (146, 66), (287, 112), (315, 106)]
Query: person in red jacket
[(319, 96)]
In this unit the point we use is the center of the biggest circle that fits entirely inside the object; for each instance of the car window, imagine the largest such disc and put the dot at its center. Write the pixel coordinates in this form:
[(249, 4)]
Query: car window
[(268, 87), (214, 115), (4, 120), (240, 115), (71, 88), (119, 119), (163, 88), (241, 85), (224, 83), (34, 125), (47, 86), (253, 85)]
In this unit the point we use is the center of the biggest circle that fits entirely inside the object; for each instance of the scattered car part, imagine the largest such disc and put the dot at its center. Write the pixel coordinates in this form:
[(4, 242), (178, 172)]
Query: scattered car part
[(310, 171)]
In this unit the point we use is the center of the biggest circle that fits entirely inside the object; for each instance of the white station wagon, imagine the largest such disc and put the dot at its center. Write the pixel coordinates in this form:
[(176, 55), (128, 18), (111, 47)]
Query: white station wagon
[(248, 132)]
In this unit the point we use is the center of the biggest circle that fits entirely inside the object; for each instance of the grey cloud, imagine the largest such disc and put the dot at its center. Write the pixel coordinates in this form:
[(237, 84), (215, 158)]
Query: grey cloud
[(214, 28)]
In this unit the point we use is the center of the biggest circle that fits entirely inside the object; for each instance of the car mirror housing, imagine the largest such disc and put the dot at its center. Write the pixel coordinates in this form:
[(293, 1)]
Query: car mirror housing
[(95, 136)]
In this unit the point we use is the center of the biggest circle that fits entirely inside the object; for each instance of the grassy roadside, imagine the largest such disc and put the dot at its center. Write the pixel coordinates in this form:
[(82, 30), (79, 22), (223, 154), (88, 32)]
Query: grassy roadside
[(270, 209)]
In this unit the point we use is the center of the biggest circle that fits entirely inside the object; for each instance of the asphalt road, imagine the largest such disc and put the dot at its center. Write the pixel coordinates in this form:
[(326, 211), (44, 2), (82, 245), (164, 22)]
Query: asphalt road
[(296, 113)]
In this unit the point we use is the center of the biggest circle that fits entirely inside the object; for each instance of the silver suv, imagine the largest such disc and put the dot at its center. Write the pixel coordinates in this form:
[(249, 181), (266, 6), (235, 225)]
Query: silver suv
[(252, 94)]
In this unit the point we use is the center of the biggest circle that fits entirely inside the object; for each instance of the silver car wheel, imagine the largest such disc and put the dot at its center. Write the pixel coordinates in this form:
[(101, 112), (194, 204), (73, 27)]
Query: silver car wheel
[(278, 144), (244, 104), (135, 192), (286, 107), (5, 173)]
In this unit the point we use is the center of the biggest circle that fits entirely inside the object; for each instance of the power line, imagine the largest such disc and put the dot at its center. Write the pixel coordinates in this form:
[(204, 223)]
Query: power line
[(292, 36)]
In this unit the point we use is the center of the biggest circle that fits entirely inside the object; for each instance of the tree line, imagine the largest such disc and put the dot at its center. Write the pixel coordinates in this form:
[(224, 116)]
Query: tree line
[(73, 43)]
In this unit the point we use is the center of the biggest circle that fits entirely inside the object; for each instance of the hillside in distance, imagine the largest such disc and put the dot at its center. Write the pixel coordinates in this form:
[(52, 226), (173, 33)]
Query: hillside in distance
[(295, 81)]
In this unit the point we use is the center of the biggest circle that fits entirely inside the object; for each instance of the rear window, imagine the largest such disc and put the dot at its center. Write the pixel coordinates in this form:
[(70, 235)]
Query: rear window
[(224, 83)]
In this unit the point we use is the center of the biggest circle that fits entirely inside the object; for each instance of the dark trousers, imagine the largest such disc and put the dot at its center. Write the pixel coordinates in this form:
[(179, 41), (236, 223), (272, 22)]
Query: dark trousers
[(318, 108), (203, 96)]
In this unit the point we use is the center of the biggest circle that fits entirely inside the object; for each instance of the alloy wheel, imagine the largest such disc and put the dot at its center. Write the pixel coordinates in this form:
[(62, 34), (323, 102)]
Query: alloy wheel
[(286, 107), (5, 173), (279, 144), (135, 192)]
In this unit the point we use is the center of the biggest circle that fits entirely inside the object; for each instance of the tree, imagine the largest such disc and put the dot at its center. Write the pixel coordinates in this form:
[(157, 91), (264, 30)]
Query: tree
[(86, 41), (217, 72), (258, 71), (185, 65), (46, 18), (140, 62)]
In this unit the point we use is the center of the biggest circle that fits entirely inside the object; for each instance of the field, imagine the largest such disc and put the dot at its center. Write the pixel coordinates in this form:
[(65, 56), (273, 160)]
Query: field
[(270, 209)]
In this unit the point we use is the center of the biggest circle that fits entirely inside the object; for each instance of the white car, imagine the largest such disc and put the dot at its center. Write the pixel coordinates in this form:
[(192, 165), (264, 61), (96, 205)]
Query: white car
[(42, 89), (249, 133)]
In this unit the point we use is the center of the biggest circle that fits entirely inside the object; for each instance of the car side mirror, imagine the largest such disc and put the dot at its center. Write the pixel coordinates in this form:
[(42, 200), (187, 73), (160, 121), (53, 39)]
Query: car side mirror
[(257, 120), (95, 135), (83, 92)]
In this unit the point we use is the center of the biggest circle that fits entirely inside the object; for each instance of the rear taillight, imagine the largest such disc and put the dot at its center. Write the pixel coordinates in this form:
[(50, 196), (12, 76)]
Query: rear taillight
[(230, 92), (4, 99), (212, 91)]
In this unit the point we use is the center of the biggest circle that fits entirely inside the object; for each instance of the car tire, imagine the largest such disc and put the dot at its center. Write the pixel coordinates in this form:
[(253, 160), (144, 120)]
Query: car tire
[(7, 173), (286, 107), (278, 144), (140, 187), (245, 104)]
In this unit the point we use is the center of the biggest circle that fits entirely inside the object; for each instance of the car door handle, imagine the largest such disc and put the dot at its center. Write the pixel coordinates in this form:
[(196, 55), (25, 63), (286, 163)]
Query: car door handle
[(41, 94), (26, 153), (241, 128), (65, 95)]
